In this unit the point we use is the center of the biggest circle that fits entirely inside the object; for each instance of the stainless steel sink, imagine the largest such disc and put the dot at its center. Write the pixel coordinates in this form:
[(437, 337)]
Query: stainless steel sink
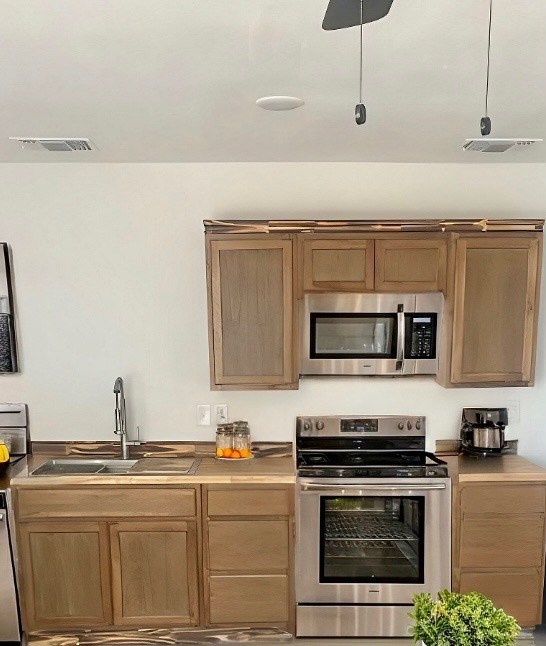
[(142, 467), (77, 467)]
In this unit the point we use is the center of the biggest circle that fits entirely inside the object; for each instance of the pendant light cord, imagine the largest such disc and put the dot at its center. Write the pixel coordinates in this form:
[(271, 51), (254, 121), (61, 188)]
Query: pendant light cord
[(361, 39), (488, 57)]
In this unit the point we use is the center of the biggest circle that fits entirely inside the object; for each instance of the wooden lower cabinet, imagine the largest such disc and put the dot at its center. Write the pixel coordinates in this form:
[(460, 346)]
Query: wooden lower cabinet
[(120, 571), (154, 573), (248, 554), (229, 563), (499, 543), (65, 570)]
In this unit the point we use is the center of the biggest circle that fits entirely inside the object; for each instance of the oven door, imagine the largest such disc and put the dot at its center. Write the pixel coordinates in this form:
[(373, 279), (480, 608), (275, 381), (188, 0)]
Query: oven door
[(378, 541)]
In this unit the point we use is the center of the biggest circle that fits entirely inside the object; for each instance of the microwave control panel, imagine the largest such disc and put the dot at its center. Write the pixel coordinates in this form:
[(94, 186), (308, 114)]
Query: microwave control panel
[(420, 336)]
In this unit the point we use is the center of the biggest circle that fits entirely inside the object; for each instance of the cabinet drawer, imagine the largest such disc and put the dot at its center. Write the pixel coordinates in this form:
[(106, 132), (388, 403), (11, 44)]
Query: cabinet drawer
[(503, 499), (248, 599), (248, 502), (248, 545), (105, 503), (518, 593), (507, 541)]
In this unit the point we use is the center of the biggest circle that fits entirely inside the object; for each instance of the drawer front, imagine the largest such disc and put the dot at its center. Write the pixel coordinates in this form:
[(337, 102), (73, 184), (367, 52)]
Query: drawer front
[(108, 502), (248, 545), (517, 593), (248, 599), (248, 502), (506, 541), (503, 499)]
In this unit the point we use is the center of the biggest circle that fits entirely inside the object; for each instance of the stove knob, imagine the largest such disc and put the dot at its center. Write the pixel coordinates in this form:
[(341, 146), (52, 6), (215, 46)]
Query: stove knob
[(409, 425), (418, 425), (320, 425), (306, 426), (401, 425)]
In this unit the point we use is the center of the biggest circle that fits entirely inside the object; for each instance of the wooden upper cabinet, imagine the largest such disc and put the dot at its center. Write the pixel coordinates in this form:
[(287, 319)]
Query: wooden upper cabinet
[(251, 311), (65, 575), (410, 265), (154, 573), (495, 309), (342, 265)]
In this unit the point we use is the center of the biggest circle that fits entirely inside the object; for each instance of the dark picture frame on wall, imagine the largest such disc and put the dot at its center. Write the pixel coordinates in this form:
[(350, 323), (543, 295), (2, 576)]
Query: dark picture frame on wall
[(8, 344)]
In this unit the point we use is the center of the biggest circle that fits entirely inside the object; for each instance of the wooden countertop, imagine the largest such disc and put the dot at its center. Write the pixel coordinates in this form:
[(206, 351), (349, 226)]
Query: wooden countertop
[(504, 468), (265, 470)]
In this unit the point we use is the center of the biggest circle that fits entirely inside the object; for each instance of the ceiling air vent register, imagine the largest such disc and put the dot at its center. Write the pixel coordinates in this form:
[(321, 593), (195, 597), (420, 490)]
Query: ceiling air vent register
[(56, 144), (496, 145)]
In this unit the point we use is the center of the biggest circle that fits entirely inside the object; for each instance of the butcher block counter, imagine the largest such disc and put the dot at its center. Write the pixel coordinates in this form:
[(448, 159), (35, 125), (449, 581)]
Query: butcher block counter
[(505, 468), (264, 470)]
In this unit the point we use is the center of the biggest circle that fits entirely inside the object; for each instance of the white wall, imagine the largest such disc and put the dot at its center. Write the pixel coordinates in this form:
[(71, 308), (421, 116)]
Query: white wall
[(110, 280)]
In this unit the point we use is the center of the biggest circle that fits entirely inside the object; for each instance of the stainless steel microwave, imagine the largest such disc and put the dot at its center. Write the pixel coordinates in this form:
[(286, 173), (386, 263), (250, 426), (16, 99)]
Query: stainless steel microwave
[(371, 334)]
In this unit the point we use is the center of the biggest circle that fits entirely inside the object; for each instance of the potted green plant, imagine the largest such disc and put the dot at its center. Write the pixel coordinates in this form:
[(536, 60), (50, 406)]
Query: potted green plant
[(461, 620)]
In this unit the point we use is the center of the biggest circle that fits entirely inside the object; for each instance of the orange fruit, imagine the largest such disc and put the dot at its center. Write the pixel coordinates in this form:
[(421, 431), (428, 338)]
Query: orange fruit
[(226, 453), (235, 454), (245, 453), (219, 453)]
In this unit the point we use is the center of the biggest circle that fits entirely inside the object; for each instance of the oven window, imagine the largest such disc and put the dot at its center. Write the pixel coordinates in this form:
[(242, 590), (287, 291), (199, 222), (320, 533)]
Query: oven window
[(367, 539), (353, 335)]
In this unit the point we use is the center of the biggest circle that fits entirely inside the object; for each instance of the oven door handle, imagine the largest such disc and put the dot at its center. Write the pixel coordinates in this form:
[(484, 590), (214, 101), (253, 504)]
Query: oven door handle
[(309, 486)]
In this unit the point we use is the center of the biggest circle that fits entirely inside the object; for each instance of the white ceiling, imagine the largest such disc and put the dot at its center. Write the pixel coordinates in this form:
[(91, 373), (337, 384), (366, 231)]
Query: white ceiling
[(177, 80)]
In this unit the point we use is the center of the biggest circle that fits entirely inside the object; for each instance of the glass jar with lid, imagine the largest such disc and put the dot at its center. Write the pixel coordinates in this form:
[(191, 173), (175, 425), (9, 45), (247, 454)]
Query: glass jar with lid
[(241, 439), (224, 440)]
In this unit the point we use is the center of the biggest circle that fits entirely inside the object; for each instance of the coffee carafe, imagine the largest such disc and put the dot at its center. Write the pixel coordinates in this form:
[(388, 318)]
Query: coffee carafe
[(482, 430)]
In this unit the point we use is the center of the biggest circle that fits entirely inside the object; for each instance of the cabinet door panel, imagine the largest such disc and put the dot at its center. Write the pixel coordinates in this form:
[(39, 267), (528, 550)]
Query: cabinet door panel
[(509, 540), (248, 545), (154, 573), (252, 311), (248, 599), (65, 575), (338, 265), (410, 265), (517, 593), (495, 310)]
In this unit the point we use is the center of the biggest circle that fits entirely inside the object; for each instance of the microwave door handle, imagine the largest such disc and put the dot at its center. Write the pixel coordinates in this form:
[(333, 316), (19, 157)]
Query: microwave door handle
[(401, 319), (310, 486)]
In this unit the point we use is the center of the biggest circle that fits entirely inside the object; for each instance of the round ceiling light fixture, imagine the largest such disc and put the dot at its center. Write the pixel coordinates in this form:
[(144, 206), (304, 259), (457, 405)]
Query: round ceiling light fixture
[(279, 103)]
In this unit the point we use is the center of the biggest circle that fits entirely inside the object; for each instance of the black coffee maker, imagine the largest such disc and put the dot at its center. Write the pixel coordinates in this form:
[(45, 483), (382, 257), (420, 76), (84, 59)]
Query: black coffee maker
[(482, 431)]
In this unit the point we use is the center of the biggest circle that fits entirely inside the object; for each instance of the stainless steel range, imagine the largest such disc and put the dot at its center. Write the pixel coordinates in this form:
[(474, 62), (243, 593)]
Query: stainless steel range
[(373, 524)]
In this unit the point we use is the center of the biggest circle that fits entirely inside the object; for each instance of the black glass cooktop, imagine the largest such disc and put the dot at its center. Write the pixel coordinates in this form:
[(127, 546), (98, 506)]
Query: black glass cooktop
[(354, 464)]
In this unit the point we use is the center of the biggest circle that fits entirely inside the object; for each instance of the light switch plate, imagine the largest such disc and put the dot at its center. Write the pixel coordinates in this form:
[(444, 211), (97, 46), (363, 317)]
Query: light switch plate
[(513, 412), (221, 413), (203, 414)]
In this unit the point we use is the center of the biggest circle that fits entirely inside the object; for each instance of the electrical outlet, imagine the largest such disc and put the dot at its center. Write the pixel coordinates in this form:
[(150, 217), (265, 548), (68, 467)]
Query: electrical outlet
[(221, 413), (203, 414), (513, 412)]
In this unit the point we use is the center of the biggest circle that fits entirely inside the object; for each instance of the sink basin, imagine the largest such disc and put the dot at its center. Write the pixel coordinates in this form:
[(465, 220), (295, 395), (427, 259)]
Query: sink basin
[(77, 467)]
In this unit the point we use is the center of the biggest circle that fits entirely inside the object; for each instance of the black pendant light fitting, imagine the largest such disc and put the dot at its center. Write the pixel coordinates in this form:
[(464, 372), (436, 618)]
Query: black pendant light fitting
[(485, 122), (360, 109)]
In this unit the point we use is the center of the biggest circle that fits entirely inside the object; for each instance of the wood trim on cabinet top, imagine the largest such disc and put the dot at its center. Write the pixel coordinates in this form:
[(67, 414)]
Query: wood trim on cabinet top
[(371, 226)]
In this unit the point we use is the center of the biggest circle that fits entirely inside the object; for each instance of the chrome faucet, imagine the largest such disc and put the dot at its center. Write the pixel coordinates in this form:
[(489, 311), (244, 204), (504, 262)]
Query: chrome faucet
[(121, 418)]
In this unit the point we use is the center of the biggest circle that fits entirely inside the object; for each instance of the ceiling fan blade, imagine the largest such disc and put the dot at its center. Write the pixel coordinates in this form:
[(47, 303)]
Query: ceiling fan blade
[(341, 14)]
